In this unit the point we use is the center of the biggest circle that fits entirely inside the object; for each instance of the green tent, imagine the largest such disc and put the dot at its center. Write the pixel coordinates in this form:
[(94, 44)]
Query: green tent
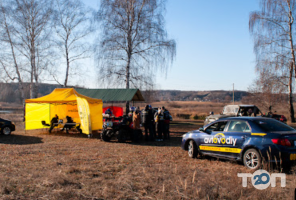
[(112, 95)]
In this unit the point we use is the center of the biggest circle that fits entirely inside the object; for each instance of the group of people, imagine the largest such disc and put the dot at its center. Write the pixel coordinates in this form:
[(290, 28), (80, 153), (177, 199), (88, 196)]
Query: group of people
[(55, 121), (156, 122)]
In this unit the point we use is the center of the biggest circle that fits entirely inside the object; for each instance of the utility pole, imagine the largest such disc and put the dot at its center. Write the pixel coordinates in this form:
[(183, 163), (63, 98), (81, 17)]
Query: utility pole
[(233, 94)]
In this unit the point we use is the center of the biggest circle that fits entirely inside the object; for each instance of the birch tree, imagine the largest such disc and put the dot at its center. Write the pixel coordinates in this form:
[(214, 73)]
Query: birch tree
[(134, 43), (9, 62), (273, 30), (31, 30), (72, 25)]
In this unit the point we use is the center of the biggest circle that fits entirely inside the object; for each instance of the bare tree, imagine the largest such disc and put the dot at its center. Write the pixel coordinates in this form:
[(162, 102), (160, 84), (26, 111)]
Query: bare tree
[(30, 30), (73, 25), (134, 43), (273, 31), (12, 69), (268, 90)]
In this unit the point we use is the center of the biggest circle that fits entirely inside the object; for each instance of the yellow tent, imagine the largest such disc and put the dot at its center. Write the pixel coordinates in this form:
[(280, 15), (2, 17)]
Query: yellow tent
[(65, 102)]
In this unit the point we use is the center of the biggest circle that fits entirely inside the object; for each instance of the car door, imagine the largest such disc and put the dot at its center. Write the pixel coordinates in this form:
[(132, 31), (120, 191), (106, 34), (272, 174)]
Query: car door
[(237, 132), (210, 143)]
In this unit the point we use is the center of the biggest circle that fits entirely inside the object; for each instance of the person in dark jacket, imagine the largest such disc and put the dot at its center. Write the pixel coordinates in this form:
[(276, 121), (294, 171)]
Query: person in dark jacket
[(68, 126), (53, 122), (166, 115), (147, 121), (108, 112)]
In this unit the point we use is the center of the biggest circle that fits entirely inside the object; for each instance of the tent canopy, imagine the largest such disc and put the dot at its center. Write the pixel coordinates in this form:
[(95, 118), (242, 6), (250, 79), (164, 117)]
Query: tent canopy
[(62, 95), (113, 95), (65, 102)]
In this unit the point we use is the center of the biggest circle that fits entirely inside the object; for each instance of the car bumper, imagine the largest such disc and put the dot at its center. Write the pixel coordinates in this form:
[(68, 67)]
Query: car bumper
[(281, 156), (12, 127), (183, 146)]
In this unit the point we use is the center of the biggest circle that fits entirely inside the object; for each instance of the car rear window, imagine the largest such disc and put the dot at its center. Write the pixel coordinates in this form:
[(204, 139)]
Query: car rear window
[(270, 125)]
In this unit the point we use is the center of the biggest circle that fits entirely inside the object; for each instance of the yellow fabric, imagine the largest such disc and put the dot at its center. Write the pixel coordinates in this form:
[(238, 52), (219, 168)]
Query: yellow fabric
[(84, 114), (41, 111), (63, 102), (62, 95), (96, 117), (63, 110)]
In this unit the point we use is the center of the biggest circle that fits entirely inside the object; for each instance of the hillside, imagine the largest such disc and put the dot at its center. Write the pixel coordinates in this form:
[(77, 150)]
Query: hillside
[(9, 93), (213, 96)]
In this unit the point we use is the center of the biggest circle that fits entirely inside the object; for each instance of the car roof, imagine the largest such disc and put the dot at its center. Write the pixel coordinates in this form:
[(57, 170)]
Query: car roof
[(247, 118)]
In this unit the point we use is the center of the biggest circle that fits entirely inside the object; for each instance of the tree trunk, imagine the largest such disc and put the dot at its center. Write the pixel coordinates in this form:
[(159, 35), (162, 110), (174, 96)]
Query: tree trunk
[(127, 75), (33, 86), (20, 81), (291, 107), (68, 64)]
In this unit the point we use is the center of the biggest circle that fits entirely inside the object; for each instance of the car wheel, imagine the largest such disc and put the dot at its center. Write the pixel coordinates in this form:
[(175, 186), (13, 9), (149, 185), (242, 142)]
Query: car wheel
[(6, 130), (192, 149), (252, 159)]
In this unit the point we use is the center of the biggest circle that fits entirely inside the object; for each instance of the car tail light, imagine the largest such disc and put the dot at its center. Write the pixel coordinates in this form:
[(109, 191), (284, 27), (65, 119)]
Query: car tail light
[(283, 142)]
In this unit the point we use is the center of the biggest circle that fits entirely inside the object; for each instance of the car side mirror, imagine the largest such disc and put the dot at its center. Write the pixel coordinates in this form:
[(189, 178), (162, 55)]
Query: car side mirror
[(202, 129)]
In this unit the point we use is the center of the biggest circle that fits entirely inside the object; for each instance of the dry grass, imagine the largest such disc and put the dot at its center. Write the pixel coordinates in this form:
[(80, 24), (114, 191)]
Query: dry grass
[(38, 165), (191, 108)]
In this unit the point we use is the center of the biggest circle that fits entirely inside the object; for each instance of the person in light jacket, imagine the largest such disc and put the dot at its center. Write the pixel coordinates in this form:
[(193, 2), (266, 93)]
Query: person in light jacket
[(136, 125)]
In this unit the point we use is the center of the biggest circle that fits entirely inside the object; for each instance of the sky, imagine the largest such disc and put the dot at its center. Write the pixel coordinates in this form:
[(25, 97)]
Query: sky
[(214, 46)]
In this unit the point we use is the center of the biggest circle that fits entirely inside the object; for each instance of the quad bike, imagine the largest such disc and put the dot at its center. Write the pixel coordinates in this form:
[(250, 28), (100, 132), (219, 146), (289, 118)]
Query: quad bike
[(121, 128)]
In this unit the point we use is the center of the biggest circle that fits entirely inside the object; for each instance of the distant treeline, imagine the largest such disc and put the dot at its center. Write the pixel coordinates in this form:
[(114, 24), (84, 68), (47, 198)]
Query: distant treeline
[(213, 96), (9, 93)]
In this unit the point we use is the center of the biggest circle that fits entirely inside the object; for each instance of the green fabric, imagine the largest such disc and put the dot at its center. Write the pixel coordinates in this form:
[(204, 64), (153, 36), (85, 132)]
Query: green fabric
[(112, 95)]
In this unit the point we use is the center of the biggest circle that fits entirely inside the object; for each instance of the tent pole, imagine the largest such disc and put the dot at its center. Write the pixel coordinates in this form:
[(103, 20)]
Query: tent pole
[(25, 117)]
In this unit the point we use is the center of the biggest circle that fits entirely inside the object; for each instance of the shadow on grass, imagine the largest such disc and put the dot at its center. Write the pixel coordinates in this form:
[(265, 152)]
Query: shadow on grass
[(20, 140), (75, 134), (172, 142)]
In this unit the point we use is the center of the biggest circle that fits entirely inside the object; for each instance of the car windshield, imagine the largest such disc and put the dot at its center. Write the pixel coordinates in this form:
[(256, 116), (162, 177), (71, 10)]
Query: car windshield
[(230, 109), (271, 125)]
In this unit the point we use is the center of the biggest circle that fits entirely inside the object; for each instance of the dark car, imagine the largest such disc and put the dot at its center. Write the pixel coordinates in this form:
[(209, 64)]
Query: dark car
[(6, 127), (252, 140)]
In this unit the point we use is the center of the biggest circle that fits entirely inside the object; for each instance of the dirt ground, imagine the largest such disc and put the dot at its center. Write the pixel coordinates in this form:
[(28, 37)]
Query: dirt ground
[(38, 165)]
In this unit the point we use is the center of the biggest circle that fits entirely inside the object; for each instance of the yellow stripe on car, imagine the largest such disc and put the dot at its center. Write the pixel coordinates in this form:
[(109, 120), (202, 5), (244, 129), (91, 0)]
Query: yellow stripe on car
[(259, 134), (221, 149)]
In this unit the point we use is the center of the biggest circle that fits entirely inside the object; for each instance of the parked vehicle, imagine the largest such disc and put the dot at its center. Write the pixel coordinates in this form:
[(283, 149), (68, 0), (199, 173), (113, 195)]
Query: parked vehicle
[(240, 111), (281, 118), (250, 140), (233, 111), (120, 128), (6, 126)]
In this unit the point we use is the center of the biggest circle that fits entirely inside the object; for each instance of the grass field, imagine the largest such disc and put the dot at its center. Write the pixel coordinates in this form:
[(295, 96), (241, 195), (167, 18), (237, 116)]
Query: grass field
[(188, 109), (38, 165)]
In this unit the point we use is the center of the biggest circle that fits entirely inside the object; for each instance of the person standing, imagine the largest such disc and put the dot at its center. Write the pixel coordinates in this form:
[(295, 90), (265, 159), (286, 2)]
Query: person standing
[(136, 125), (159, 120), (147, 119), (166, 115)]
